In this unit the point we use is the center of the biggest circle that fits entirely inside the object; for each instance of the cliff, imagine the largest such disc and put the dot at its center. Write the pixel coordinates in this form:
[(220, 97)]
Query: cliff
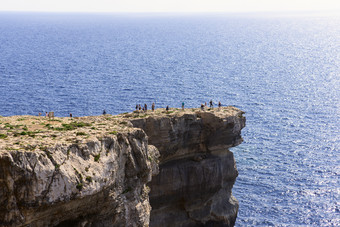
[(98, 171)]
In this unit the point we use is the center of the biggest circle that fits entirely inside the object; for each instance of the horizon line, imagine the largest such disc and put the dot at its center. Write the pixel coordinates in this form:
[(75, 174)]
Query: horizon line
[(175, 12)]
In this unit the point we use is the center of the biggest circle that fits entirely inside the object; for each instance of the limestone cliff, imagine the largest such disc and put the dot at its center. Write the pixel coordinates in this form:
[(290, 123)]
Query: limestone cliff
[(197, 171), (93, 171)]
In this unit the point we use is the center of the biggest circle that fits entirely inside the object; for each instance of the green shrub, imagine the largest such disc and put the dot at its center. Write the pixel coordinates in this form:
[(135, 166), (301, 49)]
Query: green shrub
[(81, 134), (68, 127), (97, 157), (113, 132), (3, 136), (79, 186), (89, 179)]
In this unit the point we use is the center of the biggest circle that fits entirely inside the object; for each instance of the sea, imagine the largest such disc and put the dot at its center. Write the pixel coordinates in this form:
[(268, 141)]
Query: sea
[(282, 70)]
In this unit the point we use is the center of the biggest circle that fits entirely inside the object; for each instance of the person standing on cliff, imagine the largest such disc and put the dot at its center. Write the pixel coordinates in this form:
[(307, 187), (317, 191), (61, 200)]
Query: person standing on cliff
[(153, 106), (167, 109), (136, 107), (219, 104), (71, 115), (211, 104), (104, 112), (182, 105), (202, 107), (145, 107)]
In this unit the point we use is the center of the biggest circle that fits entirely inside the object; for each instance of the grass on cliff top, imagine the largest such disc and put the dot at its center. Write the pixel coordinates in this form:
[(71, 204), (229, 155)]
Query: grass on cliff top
[(66, 127), (26, 132)]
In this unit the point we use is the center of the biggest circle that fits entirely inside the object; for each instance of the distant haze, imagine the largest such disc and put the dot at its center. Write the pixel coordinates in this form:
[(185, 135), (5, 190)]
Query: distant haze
[(169, 5)]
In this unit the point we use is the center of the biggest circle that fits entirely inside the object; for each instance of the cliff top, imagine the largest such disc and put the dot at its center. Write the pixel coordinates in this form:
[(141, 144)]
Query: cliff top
[(33, 132)]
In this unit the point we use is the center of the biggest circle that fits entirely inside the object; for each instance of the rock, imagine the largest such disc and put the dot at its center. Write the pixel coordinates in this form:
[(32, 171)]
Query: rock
[(197, 171), (69, 185), (98, 171)]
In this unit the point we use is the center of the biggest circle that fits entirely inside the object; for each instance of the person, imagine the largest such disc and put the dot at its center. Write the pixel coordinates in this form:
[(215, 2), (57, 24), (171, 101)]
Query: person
[(136, 106), (39, 114), (70, 115), (153, 106), (219, 104), (205, 104), (202, 107), (104, 112), (167, 109), (145, 107), (211, 104), (46, 114), (182, 105), (139, 107)]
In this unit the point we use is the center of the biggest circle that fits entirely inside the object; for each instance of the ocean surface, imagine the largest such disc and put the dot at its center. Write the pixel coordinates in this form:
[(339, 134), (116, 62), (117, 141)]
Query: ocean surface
[(282, 70)]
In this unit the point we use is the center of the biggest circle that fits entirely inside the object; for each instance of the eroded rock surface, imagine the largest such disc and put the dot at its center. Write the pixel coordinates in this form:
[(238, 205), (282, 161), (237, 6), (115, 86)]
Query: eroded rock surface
[(197, 171), (94, 171)]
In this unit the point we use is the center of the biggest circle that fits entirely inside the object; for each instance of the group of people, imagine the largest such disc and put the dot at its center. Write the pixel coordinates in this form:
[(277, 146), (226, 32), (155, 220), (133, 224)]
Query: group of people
[(47, 114), (211, 104), (145, 107)]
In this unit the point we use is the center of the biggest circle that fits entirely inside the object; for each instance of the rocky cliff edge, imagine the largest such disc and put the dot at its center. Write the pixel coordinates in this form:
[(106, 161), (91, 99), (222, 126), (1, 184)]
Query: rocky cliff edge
[(98, 171)]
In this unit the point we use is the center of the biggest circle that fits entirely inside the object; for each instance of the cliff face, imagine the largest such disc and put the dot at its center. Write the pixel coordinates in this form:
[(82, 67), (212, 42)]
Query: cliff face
[(101, 183), (197, 171), (97, 175)]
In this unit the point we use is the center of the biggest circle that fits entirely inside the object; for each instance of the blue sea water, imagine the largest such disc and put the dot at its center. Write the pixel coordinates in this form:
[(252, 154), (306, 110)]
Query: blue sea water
[(282, 70)]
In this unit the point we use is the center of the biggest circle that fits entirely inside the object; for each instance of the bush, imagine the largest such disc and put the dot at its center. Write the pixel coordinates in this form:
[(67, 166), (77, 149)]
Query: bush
[(79, 186), (89, 179), (81, 134), (97, 157)]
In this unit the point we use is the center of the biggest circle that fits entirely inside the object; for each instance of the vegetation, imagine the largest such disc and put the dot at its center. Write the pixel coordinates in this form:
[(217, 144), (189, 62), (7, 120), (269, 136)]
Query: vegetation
[(113, 132), (3, 136), (55, 120), (67, 127), (97, 157), (89, 179), (79, 186), (8, 125), (24, 133), (81, 134)]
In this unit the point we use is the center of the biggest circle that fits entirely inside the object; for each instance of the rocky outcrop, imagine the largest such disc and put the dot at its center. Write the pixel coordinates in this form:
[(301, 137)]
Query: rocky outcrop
[(98, 171), (197, 171), (101, 183)]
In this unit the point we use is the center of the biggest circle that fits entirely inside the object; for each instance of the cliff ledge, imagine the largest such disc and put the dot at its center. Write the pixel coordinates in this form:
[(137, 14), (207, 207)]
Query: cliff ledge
[(98, 170)]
